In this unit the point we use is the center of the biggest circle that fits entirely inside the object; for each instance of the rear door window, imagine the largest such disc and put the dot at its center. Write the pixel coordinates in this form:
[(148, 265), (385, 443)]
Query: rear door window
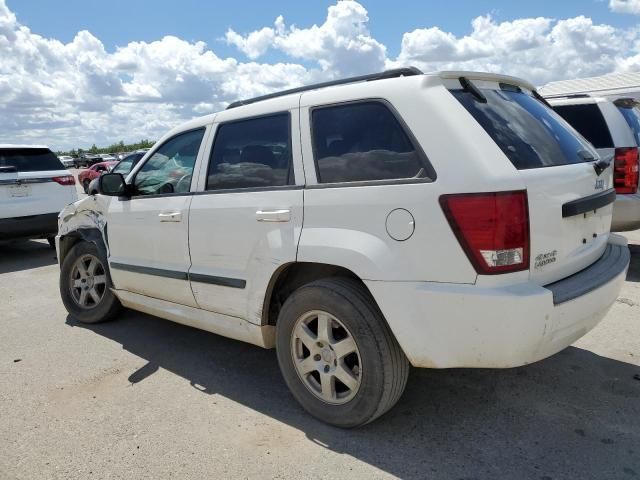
[(529, 133), (632, 116), (251, 153), (588, 120), (363, 141), (30, 159)]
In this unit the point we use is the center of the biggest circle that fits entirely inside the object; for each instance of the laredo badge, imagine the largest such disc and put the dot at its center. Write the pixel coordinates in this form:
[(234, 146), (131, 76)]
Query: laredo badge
[(544, 259)]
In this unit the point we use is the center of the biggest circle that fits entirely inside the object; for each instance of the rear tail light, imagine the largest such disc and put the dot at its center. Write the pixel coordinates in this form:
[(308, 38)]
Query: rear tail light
[(65, 180), (492, 228), (625, 170)]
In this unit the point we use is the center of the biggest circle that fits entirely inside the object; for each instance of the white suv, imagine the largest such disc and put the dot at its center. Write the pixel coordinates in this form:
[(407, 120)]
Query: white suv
[(613, 127), (34, 187), (362, 226)]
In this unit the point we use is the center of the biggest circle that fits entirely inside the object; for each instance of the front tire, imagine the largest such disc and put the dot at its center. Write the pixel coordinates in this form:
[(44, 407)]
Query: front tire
[(85, 186), (85, 285), (337, 354)]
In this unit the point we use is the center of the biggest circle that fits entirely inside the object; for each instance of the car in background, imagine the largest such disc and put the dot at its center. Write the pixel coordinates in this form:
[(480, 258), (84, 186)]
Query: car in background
[(123, 167), (94, 171), (107, 157), (88, 159), (34, 187), (67, 161), (613, 127)]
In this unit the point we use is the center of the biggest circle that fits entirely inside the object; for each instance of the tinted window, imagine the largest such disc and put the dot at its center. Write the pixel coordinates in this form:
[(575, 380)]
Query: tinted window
[(170, 168), (362, 142), (529, 133), (588, 120), (251, 153), (30, 159), (632, 116)]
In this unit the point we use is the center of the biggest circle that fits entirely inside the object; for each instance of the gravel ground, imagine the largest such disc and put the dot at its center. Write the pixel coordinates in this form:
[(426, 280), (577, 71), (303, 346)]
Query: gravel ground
[(146, 398)]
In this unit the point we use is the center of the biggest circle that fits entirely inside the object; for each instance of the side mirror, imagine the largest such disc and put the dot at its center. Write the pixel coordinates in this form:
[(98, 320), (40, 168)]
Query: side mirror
[(112, 184)]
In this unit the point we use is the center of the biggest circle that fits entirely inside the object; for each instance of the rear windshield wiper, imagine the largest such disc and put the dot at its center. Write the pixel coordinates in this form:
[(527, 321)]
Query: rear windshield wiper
[(586, 155), (600, 166), (469, 86)]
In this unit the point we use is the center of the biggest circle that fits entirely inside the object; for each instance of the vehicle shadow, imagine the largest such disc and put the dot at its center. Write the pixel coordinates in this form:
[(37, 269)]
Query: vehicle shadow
[(575, 415), (25, 255)]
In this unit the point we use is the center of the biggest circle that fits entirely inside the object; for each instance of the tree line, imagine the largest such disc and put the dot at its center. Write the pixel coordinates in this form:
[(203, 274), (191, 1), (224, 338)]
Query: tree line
[(114, 148)]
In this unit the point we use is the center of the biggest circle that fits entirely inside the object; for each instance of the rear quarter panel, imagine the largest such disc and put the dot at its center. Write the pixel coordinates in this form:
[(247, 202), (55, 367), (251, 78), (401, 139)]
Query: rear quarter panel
[(346, 225)]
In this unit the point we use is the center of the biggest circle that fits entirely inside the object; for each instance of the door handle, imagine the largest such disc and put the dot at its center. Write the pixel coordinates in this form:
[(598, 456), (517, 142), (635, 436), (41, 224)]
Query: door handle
[(170, 216), (283, 215)]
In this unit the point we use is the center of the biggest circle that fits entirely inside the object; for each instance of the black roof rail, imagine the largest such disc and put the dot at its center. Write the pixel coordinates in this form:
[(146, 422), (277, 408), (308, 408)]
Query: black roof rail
[(396, 72), (568, 95)]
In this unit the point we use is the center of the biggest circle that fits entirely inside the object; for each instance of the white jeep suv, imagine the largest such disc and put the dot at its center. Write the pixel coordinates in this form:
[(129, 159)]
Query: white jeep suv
[(613, 127), (359, 227)]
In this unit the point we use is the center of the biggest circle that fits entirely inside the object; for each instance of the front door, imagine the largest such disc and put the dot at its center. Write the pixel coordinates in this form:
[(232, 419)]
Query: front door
[(148, 233)]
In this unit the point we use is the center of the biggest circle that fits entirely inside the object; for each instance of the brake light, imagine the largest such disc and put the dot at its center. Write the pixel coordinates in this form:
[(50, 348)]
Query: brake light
[(492, 228), (625, 170), (65, 180)]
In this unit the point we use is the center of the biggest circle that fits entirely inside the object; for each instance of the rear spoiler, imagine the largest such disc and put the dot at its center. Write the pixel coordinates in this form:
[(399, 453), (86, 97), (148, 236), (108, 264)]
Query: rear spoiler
[(490, 77), (466, 80)]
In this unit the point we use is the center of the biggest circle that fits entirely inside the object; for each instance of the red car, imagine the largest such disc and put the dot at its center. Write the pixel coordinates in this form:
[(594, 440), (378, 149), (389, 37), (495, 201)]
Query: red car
[(94, 171)]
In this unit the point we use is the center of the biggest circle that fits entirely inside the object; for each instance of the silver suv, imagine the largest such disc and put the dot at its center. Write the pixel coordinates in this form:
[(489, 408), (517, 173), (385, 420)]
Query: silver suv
[(613, 127)]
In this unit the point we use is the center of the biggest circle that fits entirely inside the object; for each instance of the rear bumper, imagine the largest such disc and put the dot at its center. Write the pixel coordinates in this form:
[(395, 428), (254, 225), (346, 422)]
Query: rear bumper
[(31, 226), (626, 213), (441, 325)]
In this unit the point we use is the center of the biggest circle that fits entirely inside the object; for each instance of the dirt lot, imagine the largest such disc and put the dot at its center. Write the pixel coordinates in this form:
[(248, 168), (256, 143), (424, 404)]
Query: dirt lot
[(145, 398)]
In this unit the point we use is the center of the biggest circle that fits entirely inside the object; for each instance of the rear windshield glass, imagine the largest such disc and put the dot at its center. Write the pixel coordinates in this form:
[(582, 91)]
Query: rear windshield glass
[(588, 120), (529, 133), (632, 116), (30, 159)]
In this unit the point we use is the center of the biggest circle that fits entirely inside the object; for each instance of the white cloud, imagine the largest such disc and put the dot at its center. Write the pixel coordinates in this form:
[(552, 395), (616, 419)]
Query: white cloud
[(540, 49), (625, 6), (342, 45), (78, 93)]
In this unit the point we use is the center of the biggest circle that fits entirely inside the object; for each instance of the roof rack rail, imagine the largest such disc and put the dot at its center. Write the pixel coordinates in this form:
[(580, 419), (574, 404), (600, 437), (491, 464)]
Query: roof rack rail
[(396, 72), (568, 95)]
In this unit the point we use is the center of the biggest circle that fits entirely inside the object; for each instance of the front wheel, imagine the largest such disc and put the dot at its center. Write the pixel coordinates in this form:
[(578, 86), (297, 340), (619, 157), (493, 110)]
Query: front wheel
[(85, 186), (337, 354), (85, 285)]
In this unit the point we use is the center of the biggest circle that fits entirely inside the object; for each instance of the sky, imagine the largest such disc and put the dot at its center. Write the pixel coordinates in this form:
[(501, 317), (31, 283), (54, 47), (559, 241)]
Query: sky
[(75, 73)]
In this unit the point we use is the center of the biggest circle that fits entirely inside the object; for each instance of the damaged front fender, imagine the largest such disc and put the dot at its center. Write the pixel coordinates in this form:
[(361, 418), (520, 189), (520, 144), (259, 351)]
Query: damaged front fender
[(85, 219)]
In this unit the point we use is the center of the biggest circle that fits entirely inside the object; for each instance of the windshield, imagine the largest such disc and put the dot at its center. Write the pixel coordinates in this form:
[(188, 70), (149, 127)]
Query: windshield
[(30, 159), (529, 133)]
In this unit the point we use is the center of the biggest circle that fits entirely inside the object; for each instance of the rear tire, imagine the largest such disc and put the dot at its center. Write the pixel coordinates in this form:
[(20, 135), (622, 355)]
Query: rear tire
[(313, 368), (85, 186), (85, 284)]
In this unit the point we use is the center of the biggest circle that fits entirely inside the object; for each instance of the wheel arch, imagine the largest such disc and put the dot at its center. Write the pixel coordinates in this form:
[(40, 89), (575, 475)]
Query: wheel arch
[(67, 241), (286, 279)]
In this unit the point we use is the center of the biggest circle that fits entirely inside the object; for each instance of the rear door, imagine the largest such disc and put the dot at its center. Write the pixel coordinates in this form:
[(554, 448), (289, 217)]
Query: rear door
[(570, 204), (33, 181), (245, 222)]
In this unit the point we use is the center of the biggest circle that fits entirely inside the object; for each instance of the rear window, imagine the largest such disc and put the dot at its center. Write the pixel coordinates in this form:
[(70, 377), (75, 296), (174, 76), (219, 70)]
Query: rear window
[(632, 116), (529, 133), (588, 120), (30, 159)]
